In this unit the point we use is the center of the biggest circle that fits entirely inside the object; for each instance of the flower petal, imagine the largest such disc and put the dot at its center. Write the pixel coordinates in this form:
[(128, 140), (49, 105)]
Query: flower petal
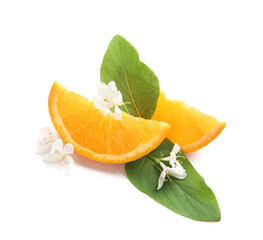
[(118, 113), (178, 165), (68, 148), (172, 163), (176, 148), (101, 105), (108, 92), (54, 157), (166, 158), (163, 166), (45, 140), (178, 173), (44, 131), (117, 98), (43, 148), (103, 91), (161, 179), (69, 164), (112, 86), (169, 170), (47, 135), (57, 146)]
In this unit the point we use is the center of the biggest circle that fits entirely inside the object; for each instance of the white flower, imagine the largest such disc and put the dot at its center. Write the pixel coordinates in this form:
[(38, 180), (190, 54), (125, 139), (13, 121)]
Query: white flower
[(109, 96), (61, 154), (46, 140), (53, 150), (176, 169), (110, 93), (162, 176)]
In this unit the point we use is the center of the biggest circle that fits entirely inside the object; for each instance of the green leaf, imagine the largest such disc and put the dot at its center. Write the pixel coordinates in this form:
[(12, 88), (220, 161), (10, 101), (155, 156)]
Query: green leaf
[(137, 82), (190, 197)]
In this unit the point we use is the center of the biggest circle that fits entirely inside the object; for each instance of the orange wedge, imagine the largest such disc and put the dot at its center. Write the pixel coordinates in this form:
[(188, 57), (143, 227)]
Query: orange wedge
[(191, 129), (99, 136)]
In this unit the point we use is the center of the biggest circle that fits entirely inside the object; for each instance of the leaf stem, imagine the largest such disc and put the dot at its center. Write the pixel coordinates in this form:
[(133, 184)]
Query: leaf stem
[(153, 162), (157, 160)]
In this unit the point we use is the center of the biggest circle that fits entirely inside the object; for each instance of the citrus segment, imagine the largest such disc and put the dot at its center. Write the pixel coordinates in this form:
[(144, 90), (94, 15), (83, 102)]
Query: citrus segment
[(100, 136), (191, 129)]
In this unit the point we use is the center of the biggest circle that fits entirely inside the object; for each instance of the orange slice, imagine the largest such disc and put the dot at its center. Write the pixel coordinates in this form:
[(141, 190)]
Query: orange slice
[(191, 129), (99, 136)]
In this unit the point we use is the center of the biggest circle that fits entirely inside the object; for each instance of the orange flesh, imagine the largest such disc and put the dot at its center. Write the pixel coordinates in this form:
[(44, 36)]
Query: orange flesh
[(98, 136), (191, 129)]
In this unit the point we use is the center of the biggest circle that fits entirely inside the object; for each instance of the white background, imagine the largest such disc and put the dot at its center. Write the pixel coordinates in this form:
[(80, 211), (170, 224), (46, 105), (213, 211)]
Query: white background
[(209, 53)]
